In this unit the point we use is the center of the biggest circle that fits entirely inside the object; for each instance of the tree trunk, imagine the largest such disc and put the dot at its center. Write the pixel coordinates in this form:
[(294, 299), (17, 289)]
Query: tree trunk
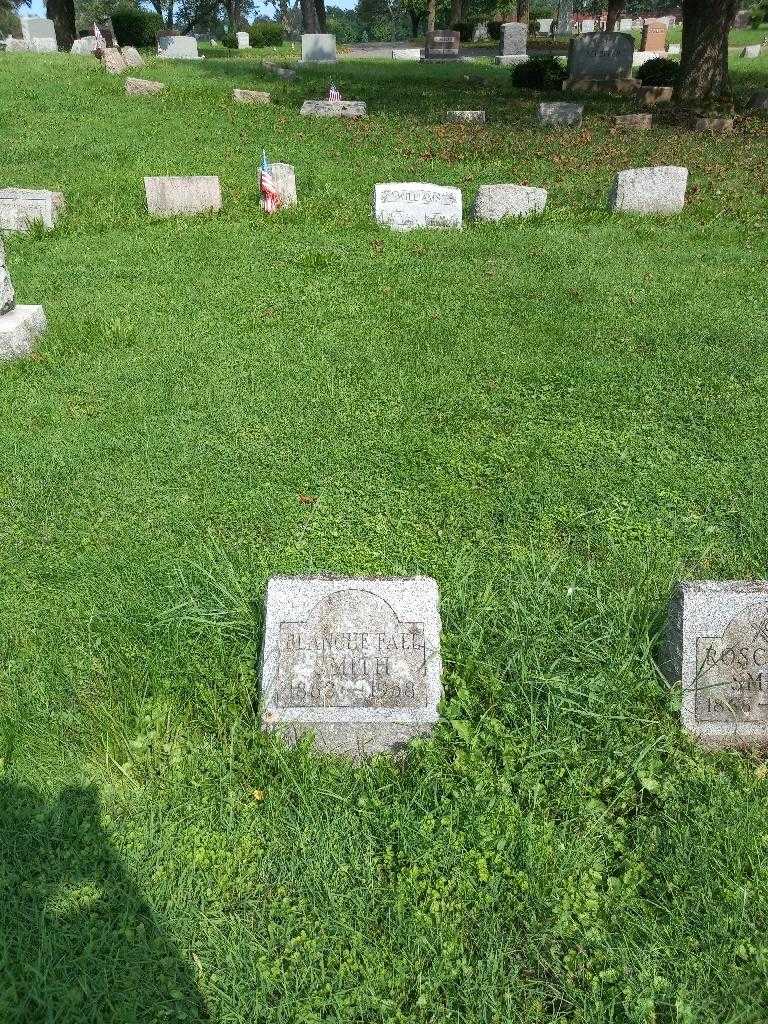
[(62, 14), (615, 8), (524, 11), (564, 18), (309, 19), (320, 8), (704, 59), (415, 17), (430, 15), (456, 12)]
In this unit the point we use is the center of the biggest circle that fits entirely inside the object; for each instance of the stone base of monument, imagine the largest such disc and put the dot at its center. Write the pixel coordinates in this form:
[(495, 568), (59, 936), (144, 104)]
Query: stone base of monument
[(633, 120), (511, 60), (351, 740), (650, 95), (334, 108), (465, 116), (603, 85), (18, 330), (407, 54), (142, 87)]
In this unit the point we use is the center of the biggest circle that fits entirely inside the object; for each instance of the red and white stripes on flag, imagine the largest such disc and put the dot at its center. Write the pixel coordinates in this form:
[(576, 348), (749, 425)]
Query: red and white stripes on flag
[(101, 43), (270, 197), (333, 93)]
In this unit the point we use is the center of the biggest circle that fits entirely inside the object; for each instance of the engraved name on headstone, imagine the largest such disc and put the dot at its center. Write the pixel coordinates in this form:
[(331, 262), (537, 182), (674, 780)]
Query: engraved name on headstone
[(717, 646), (356, 661), (406, 205)]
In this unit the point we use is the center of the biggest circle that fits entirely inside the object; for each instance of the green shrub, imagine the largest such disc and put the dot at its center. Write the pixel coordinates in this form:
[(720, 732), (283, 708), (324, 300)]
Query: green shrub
[(229, 40), (136, 27), (659, 71), (9, 23), (540, 73), (266, 33)]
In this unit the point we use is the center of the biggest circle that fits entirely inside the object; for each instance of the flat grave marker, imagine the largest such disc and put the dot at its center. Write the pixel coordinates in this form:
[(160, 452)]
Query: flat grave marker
[(354, 660), (497, 202), (171, 196), (649, 190), (716, 645), (22, 207), (406, 205)]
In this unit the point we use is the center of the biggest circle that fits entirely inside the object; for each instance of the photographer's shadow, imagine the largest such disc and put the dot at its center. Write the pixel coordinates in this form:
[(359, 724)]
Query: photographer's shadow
[(78, 944)]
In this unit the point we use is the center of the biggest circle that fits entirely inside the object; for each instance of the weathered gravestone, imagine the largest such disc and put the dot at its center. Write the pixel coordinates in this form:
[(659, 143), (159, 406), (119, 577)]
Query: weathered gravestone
[(169, 196), (39, 34), (84, 46), (355, 661), (250, 96), (544, 26), (132, 57), (22, 207), (719, 125), (674, 49), (716, 645), (743, 19), (284, 180), (587, 25), (334, 108), (406, 205), (625, 25), (566, 115), (601, 56), (275, 69), (759, 100), (496, 202), (654, 37), (406, 54), (442, 45), (633, 120), (513, 44), (177, 48), (142, 87), (752, 52), (649, 190), (465, 117), (481, 33), (113, 61), (651, 95), (243, 41), (19, 325), (318, 48), (15, 45)]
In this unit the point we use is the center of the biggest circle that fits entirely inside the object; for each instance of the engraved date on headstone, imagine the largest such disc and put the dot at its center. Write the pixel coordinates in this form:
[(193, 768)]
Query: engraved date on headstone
[(732, 670)]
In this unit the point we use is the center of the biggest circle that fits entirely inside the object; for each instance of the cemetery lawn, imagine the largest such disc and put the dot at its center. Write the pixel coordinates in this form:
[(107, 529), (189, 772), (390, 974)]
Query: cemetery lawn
[(556, 419)]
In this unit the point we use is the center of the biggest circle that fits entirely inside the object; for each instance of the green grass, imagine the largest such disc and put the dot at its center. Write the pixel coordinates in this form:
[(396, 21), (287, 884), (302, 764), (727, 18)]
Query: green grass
[(556, 419)]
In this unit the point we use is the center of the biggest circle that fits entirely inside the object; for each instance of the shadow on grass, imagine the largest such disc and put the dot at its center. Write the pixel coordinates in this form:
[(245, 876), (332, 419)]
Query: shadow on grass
[(78, 944)]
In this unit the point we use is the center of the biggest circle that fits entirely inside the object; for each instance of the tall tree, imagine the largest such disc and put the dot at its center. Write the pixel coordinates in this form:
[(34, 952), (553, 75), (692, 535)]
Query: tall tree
[(430, 15), (62, 14), (704, 74), (524, 11), (615, 7), (456, 12)]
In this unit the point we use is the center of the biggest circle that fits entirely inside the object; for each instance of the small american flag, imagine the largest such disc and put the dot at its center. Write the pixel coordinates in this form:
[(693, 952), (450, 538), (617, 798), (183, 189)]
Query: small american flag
[(270, 197), (333, 93), (101, 43)]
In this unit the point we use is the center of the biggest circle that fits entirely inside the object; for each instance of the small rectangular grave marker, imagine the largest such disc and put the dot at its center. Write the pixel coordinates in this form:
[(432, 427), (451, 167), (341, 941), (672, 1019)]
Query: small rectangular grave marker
[(243, 41), (142, 87), (654, 37), (284, 178), (649, 190), (465, 117), (752, 52), (513, 39), (716, 644), (334, 108), (21, 207), (177, 48), (568, 115), (495, 202), (633, 120), (406, 54), (406, 205), (250, 96), (169, 196), (354, 660)]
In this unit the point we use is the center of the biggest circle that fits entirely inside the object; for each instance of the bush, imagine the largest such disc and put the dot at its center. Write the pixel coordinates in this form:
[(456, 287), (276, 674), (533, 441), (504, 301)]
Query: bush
[(229, 40), (465, 30), (266, 33), (135, 27), (9, 23), (540, 73), (659, 71), (494, 29)]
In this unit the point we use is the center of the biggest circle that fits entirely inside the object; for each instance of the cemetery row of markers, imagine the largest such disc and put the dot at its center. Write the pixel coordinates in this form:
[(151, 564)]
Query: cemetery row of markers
[(401, 206)]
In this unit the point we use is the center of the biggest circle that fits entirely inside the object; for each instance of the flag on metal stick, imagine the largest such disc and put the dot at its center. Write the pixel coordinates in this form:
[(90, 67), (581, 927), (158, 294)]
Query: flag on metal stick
[(333, 93), (101, 43), (270, 197)]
